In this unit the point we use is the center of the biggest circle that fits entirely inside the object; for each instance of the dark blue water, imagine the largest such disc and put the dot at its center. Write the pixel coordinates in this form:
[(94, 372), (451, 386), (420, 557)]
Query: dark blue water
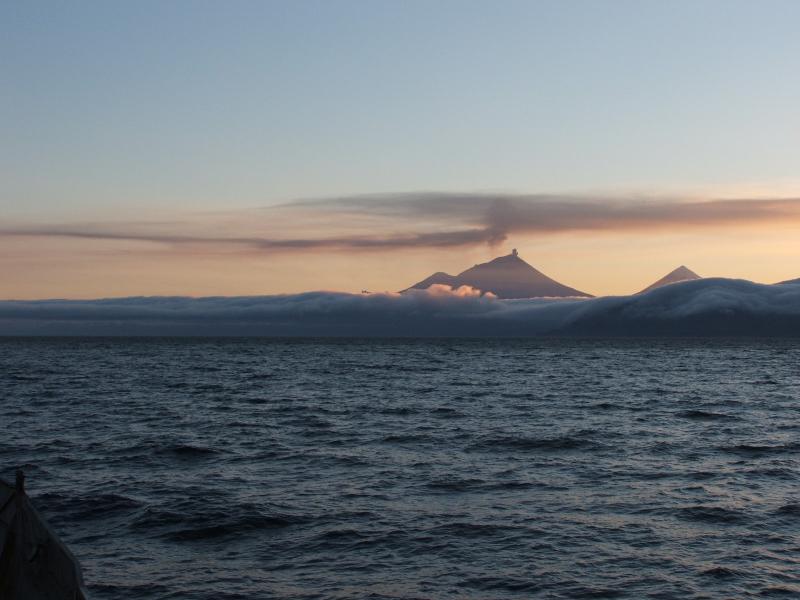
[(413, 469)]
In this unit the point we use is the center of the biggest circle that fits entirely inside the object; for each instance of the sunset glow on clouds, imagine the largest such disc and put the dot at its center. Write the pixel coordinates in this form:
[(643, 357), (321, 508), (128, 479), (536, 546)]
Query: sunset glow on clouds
[(292, 247), (420, 221)]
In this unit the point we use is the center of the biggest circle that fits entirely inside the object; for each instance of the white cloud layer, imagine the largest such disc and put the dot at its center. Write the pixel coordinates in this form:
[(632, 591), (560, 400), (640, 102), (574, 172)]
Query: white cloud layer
[(705, 307)]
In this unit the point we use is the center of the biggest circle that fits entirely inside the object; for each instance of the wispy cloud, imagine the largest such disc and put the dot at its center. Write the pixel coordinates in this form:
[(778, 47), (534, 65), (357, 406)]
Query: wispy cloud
[(433, 220), (504, 214), (464, 237)]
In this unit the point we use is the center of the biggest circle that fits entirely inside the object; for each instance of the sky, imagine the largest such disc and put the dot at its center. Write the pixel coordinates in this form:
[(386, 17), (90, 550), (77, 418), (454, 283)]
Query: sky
[(236, 148)]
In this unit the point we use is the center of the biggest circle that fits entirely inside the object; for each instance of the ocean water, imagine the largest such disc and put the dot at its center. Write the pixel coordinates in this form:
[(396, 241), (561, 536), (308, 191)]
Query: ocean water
[(491, 469)]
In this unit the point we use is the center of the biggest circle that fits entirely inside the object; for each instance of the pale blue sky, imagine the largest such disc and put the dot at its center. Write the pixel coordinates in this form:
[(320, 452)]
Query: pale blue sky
[(119, 107)]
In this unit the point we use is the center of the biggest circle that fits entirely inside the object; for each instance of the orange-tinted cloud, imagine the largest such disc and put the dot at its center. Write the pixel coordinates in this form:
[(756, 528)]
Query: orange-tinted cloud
[(432, 220)]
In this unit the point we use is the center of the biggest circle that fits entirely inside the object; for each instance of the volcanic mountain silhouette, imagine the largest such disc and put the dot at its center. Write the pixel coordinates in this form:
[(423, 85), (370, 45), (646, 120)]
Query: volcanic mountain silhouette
[(506, 277), (679, 274)]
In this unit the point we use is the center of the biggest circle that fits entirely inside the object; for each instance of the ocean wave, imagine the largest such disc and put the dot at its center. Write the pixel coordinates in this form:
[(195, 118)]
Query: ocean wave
[(524, 443), (792, 509), (712, 514), (703, 415), (87, 506), (189, 522), (756, 450), (720, 573), (455, 484)]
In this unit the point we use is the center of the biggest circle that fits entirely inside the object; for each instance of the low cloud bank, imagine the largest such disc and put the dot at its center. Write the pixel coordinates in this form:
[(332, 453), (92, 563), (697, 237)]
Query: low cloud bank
[(719, 307)]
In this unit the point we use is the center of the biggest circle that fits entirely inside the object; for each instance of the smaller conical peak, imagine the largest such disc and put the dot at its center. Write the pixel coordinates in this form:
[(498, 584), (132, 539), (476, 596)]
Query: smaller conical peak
[(685, 271), (680, 274)]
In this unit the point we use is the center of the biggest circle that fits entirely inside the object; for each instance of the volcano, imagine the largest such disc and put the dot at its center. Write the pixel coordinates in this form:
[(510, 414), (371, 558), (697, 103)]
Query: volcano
[(680, 274), (506, 277)]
